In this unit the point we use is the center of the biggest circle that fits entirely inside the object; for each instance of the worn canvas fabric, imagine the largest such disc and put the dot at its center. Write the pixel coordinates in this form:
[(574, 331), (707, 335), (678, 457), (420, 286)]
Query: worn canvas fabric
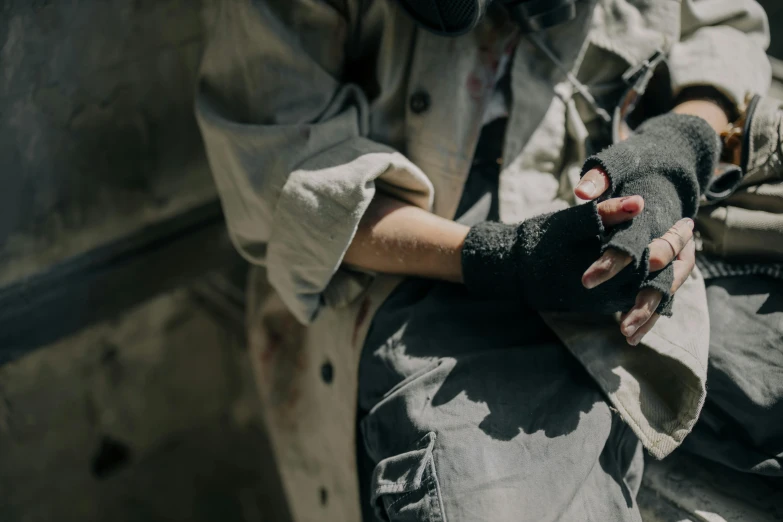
[(749, 223), (307, 108), (740, 425)]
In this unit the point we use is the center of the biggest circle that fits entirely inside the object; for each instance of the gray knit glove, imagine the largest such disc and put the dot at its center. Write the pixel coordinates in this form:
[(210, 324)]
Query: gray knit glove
[(668, 161), (541, 260)]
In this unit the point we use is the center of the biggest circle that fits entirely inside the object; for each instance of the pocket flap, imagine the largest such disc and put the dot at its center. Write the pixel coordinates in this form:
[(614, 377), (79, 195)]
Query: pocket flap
[(405, 472)]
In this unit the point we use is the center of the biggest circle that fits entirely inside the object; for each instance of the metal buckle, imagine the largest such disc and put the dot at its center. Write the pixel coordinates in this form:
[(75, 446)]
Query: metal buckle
[(637, 78)]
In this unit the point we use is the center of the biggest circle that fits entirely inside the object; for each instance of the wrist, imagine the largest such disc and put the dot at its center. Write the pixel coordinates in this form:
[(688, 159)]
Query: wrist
[(707, 103), (448, 262), (707, 110), (488, 268)]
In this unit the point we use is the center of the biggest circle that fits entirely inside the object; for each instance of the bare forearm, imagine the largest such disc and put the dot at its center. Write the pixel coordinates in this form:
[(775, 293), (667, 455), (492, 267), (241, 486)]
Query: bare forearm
[(397, 238), (710, 111)]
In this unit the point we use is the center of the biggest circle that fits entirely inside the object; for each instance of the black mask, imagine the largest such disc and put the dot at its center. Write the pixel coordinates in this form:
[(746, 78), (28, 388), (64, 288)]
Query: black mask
[(455, 17)]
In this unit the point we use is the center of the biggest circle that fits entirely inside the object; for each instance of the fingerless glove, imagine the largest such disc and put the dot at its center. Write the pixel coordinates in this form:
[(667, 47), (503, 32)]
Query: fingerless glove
[(669, 162), (541, 261)]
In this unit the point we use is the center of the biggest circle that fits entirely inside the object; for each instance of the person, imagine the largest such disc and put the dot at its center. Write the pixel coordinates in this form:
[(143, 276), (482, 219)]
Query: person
[(410, 197)]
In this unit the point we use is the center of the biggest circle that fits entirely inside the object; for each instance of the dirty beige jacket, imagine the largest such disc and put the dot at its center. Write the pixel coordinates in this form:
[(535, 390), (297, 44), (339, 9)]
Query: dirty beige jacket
[(307, 107), (749, 223)]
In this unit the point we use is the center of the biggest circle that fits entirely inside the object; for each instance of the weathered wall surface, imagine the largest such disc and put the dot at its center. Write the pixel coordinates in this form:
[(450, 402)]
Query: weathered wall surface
[(97, 135), (148, 418)]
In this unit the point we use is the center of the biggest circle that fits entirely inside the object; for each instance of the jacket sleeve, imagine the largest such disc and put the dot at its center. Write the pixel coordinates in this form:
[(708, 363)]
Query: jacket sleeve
[(287, 144), (749, 223), (722, 45)]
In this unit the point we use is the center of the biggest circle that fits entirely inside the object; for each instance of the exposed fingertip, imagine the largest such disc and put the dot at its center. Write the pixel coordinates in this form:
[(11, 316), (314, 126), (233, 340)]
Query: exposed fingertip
[(589, 281), (689, 223), (629, 329), (632, 204), (586, 189)]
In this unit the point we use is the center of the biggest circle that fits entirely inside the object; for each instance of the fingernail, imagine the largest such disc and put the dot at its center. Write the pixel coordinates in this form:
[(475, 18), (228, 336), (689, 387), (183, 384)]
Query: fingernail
[(587, 187), (627, 205), (630, 330), (632, 342), (590, 282), (689, 222)]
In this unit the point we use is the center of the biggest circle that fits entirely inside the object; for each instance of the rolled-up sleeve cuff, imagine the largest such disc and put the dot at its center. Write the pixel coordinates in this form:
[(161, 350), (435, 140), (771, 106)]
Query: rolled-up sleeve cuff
[(721, 57), (317, 216)]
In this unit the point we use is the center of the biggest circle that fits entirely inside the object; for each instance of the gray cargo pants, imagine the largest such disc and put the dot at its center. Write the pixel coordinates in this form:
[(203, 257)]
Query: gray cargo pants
[(473, 411)]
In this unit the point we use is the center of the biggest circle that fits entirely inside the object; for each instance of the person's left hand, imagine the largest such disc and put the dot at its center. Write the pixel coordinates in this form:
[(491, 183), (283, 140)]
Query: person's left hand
[(675, 246)]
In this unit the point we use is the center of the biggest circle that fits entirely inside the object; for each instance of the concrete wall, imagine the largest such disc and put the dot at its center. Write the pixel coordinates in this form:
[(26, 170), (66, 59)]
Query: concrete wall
[(151, 417), (97, 135)]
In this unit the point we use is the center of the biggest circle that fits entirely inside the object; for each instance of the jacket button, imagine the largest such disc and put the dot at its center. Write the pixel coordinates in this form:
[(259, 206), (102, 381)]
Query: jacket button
[(420, 102), (327, 372)]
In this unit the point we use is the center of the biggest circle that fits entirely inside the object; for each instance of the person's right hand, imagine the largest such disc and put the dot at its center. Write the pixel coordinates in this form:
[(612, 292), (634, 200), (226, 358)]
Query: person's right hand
[(675, 248), (541, 260), (669, 160)]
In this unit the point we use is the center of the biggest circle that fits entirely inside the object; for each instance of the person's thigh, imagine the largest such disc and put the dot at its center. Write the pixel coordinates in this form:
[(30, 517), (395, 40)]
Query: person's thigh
[(473, 411)]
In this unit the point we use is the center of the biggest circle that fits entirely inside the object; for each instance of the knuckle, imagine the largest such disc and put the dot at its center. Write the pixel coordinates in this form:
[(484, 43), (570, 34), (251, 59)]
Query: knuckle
[(615, 254), (684, 230), (662, 252), (652, 303), (647, 301), (608, 207), (678, 238)]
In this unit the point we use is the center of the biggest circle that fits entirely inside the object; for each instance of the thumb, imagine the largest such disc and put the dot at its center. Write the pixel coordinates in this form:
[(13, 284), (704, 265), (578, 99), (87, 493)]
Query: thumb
[(592, 184)]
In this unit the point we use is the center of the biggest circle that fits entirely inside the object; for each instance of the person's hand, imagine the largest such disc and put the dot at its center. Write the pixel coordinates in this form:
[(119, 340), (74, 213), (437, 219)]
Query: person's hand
[(669, 161), (675, 246), (540, 260)]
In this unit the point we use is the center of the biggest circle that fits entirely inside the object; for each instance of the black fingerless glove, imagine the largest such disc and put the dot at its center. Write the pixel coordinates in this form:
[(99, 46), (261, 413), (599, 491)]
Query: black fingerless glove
[(669, 162), (541, 261)]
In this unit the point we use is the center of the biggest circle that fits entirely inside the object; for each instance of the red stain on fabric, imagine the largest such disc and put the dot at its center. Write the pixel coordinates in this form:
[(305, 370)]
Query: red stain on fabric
[(273, 342), (475, 86), (292, 399), (361, 317), (301, 362)]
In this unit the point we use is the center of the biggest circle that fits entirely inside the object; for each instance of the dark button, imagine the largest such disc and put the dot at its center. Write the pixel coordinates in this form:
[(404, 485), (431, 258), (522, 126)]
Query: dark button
[(327, 372), (420, 102), (324, 496)]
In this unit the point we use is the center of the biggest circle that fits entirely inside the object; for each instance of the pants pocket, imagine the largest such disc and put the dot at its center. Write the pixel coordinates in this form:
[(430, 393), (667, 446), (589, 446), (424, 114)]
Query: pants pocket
[(405, 487)]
